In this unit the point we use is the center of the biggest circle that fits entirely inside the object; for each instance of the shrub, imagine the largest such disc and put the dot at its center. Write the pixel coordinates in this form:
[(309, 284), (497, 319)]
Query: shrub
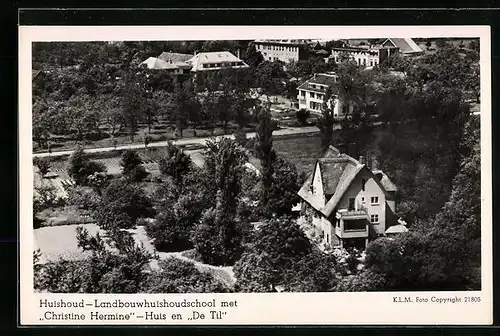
[(302, 115), (132, 167), (81, 167), (43, 165), (83, 197)]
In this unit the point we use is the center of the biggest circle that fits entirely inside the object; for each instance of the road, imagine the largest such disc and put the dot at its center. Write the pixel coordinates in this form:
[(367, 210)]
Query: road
[(180, 142)]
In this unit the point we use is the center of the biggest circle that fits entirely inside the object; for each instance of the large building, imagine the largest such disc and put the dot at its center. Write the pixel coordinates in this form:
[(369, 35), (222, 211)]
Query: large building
[(311, 94), (348, 201), (172, 63), (364, 57), (403, 46), (209, 61), (283, 50)]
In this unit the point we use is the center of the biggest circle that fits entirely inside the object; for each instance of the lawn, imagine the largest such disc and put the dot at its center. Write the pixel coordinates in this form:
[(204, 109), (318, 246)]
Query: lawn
[(301, 150)]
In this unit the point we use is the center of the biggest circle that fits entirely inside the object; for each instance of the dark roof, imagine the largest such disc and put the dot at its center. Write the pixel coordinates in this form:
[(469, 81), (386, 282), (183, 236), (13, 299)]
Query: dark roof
[(385, 181), (338, 170), (318, 79)]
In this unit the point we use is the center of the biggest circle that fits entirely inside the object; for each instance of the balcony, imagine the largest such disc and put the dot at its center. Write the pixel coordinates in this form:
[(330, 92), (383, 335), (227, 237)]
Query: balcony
[(359, 212), (352, 228)]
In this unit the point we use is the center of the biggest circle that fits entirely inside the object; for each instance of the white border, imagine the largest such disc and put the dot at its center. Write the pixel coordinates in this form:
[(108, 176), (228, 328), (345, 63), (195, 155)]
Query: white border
[(289, 308)]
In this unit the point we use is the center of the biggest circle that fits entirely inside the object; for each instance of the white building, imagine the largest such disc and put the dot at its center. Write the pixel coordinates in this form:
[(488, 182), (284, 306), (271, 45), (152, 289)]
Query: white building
[(364, 57), (311, 94), (283, 50), (209, 61)]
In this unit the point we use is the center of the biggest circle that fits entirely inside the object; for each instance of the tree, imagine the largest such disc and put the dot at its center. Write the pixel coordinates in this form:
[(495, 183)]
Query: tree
[(326, 120), (43, 165), (270, 78), (282, 193), (80, 167), (217, 238), (302, 115), (132, 167), (175, 163), (277, 247), (264, 151), (179, 276), (172, 228), (252, 57), (122, 204), (83, 197), (134, 104)]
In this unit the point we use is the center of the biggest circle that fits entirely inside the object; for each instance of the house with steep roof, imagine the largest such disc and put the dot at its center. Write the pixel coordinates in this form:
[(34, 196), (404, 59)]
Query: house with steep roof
[(217, 60), (404, 46), (312, 93), (348, 201), (285, 50), (170, 67)]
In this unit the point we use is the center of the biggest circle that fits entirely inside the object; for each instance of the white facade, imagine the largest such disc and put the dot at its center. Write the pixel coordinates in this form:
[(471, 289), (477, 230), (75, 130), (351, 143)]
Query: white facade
[(363, 58), (311, 95), (280, 51)]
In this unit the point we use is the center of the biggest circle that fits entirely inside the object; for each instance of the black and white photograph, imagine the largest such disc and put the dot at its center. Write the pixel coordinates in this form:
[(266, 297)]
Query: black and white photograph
[(263, 165), (256, 166)]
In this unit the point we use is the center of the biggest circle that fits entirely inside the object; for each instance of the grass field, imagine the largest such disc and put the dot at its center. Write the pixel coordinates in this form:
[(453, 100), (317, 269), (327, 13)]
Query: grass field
[(301, 151)]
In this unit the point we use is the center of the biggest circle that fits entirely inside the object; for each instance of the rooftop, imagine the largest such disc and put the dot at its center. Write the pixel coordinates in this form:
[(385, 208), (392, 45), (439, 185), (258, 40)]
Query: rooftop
[(320, 79), (285, 41), (198, 60), (338, 170), (406, 45), (174, 57)]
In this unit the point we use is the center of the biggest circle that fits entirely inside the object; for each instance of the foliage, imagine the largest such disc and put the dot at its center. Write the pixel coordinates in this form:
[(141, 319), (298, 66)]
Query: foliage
[(175, 163), (302, 115), (179, 276), (46, 197), (83, 197), (98, 181), (173, 225), (326, 121), (277, 246), (282, 193), (217, 237), (122, 204), (132, 167), (80, 167), (43, 165)]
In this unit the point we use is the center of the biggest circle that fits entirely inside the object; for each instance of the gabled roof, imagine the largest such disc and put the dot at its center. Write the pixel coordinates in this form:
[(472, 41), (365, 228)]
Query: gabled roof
[(321, 79), (338, 171), (406, 45), (198, 60), (397, 229), (385, 181)]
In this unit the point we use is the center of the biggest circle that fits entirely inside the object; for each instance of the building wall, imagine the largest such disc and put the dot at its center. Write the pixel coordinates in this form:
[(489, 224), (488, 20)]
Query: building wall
[(363, 198), (306, 99), (365, 59), (281, 52)]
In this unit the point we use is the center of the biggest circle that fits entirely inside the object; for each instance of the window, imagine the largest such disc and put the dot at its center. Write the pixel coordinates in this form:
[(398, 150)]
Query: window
[(302, 93), (351, 204), (363, 200), (374, 219), (363, 182), (374, 200), (312, 94)]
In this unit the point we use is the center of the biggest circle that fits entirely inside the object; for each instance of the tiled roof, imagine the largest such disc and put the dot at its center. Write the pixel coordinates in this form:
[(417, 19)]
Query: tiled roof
[(385, 181), (156, 63), (338, 171), (321, 79), (406, 45), (198, 60), (174, 57)]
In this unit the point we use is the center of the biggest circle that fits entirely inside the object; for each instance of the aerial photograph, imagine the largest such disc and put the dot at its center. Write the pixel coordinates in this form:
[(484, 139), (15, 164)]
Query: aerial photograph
[(256, 166)]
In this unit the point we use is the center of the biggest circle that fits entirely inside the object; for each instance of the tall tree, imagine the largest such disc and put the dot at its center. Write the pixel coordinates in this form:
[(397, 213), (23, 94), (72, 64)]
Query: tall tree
[(132, 167), (265, 152), (326, 121), (217, 237)]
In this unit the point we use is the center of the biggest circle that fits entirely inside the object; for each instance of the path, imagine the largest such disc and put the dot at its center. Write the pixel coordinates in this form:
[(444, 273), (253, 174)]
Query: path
[(181, 142)]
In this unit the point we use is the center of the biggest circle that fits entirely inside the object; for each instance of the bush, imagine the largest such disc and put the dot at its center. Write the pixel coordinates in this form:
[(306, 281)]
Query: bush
[(43, 165), (132, 167), (83, 197), (302, 115), (81, 167)]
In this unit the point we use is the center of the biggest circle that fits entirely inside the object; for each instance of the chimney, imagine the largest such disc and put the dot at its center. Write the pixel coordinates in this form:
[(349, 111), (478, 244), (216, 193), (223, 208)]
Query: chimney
[(195, 52), (362, 159), (238, 53), (369, 161), (374, 164)]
